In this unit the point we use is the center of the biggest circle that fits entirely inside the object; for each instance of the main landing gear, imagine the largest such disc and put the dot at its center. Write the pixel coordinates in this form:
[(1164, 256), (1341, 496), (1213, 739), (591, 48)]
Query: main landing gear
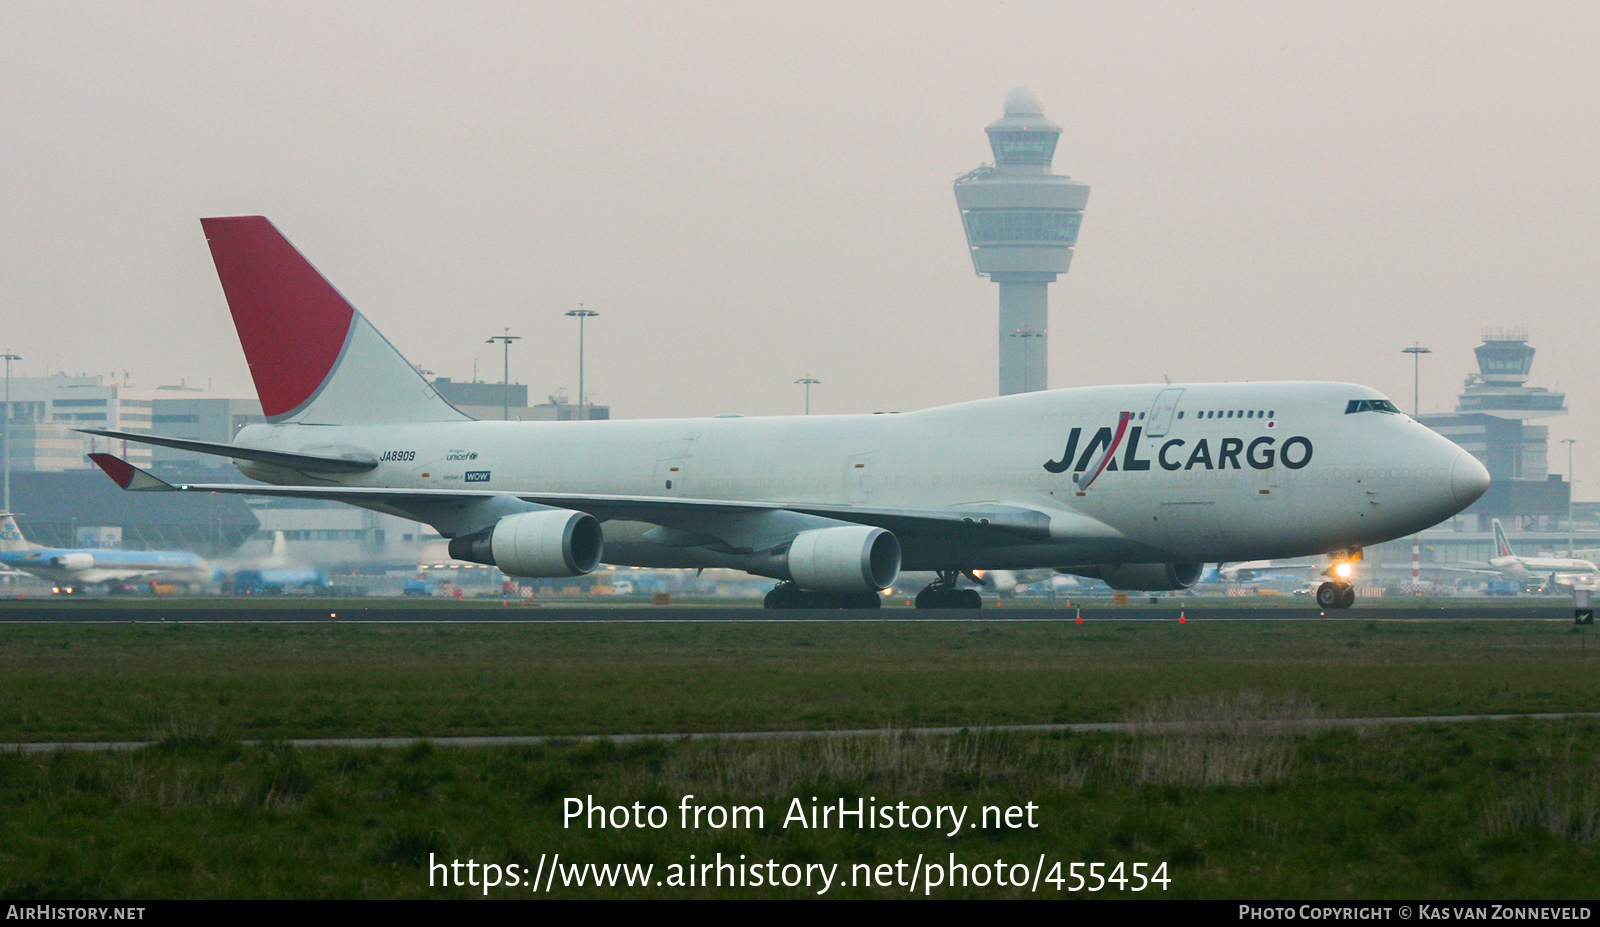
[(1336, 595), (788, 595), (942, 593)]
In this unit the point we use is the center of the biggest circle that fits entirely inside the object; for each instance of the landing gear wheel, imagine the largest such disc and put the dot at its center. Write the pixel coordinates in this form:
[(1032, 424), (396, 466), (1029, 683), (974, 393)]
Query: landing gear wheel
[(942, 593), (1336, 595), (785, 595), (788, 595)]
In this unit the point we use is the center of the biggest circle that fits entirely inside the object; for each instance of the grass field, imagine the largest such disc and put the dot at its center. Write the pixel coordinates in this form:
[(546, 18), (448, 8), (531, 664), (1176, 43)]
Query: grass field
[(135, 682), (1236, 805)]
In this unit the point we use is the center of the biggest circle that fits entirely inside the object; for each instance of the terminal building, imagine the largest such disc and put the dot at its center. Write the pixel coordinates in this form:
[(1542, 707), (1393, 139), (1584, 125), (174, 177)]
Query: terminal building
[(495, 401), (63, 500)]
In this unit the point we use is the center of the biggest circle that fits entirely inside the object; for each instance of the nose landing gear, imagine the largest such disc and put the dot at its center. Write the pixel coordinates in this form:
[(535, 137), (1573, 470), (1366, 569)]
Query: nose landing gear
[(1336, 595), (1338, 592)]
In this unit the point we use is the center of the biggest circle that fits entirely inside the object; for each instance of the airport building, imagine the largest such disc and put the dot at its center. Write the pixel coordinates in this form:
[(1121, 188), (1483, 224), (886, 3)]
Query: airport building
[(63, 500), (1492, 422), (1021, 223), (497, 401), (45, 411)]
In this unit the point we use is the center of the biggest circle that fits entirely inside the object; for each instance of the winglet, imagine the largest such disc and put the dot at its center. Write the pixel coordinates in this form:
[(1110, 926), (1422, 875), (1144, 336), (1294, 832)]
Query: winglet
[(128, 476)]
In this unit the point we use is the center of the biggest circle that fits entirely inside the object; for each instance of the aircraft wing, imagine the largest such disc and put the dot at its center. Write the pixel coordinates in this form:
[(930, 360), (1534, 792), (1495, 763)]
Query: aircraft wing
[(307, 463), (742, 524)]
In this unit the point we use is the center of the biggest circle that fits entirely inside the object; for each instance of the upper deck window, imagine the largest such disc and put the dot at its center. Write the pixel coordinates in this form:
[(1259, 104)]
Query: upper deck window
[(1370, 405)]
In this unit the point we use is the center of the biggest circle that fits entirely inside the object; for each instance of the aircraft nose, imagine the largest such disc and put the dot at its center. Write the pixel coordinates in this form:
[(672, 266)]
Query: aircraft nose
[(1469, 479)]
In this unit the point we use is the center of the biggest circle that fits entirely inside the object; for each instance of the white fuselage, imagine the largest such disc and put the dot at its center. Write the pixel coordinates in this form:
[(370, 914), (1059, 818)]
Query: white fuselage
[(1531, 568), (1291, 473), (90, 566)]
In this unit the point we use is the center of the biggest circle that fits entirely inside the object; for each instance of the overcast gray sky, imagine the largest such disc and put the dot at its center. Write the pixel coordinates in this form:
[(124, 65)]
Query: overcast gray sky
[(751, 192)]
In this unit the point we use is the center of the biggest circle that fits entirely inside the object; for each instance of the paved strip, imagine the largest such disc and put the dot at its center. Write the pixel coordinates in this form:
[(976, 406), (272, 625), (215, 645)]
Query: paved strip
[(1083, 728), (111, 613)]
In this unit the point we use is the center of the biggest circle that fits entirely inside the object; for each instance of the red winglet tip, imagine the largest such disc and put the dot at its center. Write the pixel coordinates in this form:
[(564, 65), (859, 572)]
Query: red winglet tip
[(115, 467)]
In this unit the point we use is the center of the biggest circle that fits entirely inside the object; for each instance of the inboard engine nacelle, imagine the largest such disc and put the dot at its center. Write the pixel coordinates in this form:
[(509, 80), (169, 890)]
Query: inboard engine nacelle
[(556, 542), (73, 561), (1142, 577), (857, 558)]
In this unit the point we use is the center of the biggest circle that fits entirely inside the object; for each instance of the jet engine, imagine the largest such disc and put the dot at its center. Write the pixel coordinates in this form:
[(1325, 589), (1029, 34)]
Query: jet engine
[(855, 558), (1142, 577), (555, 542), (75, 561)]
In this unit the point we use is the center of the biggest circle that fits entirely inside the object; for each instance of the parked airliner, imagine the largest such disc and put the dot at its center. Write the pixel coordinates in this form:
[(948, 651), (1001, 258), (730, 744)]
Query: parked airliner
[(1138, 486), (1564, 571), (71, 569)]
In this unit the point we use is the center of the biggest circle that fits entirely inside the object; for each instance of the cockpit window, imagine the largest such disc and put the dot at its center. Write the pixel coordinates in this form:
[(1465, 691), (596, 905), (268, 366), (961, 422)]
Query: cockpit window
[(1370, 405)]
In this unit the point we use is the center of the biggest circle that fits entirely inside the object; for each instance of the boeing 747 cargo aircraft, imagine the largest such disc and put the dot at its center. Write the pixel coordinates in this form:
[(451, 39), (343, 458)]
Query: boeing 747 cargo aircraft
[(1138, 486)]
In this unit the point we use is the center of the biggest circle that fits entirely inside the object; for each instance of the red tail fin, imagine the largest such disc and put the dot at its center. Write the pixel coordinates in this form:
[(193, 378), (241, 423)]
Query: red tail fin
[(314, 359), (292, 323)]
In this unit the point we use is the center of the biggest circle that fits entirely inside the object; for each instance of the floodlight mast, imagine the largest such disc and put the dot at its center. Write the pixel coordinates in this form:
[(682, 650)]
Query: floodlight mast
[(581, 314), (505, 375), (1416, 351), (809, 381), (5, 436)]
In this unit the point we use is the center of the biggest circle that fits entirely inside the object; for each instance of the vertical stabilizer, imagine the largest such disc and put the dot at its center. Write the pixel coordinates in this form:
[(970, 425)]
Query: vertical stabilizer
[(11, 538), (313, 357), (1501, 545)]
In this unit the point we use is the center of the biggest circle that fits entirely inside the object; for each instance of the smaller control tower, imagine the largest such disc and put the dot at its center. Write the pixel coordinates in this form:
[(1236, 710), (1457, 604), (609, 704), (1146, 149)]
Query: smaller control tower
[(1492, 423), (1021, 223)]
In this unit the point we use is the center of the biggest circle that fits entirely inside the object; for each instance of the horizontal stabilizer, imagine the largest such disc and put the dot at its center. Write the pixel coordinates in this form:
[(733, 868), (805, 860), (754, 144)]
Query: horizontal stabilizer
[(307, 463), (128, 476)]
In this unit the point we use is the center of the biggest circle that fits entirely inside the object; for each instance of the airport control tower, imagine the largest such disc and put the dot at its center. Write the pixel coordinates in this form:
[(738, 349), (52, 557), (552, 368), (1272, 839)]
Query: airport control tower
[(1021, 223)]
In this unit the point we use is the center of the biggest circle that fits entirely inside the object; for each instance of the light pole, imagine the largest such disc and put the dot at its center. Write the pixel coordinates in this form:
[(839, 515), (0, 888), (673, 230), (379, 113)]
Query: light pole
[(809, 381), (5, 438), (581, 314), (1570, 483), (505, 376), (5, 434), (1416, 351)]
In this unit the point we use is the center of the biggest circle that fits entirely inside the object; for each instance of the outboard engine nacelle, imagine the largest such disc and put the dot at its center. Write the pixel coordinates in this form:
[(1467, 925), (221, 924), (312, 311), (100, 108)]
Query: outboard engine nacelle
[(73, 561), (1142, 577), (856, 558), (556, 542)]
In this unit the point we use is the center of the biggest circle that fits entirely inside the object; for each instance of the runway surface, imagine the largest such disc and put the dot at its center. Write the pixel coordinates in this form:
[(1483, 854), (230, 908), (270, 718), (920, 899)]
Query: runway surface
[(450, 612)]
